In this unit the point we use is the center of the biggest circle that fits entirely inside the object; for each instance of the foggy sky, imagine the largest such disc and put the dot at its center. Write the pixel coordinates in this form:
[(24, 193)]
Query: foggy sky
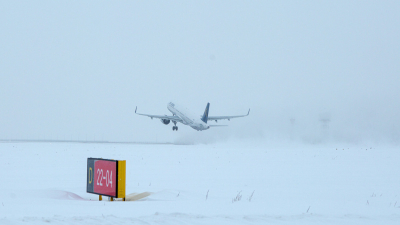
[(77, 70)]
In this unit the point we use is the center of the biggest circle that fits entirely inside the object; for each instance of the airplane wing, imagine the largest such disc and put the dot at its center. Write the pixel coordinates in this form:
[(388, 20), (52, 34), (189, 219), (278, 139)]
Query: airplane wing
[(216, 118), (174, 118)]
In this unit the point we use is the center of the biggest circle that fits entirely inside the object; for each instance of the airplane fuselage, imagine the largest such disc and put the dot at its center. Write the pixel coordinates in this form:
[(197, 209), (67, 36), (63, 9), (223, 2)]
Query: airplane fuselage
[(196, 124)]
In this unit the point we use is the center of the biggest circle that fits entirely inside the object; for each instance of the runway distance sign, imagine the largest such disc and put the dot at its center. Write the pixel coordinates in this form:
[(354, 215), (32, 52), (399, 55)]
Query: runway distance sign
[(106, 177)]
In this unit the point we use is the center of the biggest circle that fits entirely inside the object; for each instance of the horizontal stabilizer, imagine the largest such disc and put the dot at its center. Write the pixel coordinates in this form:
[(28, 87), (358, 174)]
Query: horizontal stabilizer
[(217, 125)]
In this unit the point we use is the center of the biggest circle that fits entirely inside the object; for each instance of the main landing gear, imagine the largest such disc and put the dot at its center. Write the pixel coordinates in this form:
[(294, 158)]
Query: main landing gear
[(175, 127)]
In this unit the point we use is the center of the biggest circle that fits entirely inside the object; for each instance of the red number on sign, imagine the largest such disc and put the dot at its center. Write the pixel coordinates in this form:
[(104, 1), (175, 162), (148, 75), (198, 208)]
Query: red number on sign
[(100, 177)]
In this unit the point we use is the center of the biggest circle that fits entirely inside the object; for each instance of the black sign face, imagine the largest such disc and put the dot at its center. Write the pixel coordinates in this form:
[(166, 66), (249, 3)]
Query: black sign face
[(90, 175)]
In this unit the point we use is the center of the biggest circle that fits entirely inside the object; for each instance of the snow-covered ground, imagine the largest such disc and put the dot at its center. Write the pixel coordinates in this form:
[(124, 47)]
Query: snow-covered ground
[(220, 183)]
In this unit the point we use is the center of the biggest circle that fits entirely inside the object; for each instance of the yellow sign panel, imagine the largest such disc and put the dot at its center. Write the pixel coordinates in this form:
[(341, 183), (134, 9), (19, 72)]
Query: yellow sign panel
[(121, 179)]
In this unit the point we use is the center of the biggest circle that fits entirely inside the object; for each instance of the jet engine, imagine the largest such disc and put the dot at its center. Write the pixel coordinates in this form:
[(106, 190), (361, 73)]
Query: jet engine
[(165, 121)]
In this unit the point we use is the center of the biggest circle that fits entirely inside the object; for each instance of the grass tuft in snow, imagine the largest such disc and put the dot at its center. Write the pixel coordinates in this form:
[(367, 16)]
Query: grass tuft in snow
[(251, 196), (238, 197)]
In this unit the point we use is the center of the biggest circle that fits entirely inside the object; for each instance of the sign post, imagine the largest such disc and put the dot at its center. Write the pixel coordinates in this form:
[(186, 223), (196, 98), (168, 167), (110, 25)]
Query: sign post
[(106, 177)]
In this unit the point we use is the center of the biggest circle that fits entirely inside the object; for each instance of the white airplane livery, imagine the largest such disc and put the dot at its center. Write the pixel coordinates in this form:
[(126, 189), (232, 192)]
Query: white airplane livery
[(179, 115)]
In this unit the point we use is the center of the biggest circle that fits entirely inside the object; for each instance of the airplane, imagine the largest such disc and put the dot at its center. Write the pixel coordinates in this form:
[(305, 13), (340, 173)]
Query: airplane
[(179, 115)]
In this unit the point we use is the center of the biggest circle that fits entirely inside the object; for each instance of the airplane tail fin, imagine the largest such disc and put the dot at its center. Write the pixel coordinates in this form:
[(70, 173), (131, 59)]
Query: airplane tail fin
[(204, 118)]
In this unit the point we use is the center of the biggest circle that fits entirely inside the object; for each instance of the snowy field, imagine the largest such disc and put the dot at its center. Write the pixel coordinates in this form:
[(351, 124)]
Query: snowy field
[(221, 183)]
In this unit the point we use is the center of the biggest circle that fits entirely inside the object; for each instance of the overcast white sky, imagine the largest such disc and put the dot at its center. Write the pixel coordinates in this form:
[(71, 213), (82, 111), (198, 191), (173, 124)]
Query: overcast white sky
[(76, 70)]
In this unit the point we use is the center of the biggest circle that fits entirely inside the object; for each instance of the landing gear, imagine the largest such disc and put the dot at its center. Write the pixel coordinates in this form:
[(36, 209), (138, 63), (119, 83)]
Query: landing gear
[(175, 127)]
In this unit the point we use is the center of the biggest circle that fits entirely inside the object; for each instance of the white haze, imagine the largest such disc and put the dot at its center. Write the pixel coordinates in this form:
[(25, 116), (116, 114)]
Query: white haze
[(77, 70)]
